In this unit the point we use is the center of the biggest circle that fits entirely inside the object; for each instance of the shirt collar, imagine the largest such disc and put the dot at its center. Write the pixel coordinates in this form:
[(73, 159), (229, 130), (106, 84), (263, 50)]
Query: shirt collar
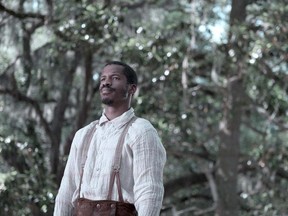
[(118, 121)]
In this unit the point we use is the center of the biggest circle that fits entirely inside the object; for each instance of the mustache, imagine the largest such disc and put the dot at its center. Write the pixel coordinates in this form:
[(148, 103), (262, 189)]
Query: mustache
[(107, 87)]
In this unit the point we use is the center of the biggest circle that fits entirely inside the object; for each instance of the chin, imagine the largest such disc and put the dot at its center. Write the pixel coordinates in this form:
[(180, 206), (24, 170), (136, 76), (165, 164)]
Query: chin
[(107, 101)]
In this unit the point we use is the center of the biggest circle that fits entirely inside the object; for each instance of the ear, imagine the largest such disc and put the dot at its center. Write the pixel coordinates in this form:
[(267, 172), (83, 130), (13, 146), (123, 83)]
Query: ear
[(132, 89)]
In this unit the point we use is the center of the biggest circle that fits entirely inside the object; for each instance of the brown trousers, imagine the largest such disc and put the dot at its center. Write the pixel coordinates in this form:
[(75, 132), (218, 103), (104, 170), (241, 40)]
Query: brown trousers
[(87, 207)]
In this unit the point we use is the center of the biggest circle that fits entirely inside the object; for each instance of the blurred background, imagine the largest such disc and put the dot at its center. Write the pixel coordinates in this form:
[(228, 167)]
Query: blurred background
[(213, 80)]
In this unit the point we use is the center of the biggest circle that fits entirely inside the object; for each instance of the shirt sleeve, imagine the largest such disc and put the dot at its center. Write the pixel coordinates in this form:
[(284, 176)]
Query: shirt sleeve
[(149, 158), (63, 202)]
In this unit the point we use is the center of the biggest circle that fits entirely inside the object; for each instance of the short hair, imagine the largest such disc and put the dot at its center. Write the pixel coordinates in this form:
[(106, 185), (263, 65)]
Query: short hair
[(128, 71)]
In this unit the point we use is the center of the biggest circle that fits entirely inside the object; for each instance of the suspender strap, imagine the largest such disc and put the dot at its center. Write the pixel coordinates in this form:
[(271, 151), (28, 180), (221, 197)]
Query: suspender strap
[(117, 158), (117, 163), (86, 143)]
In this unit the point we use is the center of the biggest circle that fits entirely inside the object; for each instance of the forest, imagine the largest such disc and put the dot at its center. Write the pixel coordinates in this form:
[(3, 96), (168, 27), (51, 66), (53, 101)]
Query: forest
[(213, 81)]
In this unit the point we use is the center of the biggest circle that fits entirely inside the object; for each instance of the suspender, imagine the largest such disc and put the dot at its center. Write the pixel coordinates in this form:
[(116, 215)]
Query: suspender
[(117, 163), (87, 139), (117, 159)]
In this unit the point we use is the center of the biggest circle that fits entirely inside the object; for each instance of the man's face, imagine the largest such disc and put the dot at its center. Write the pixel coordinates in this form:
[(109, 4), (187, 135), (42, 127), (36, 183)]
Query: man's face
[(113, 86)]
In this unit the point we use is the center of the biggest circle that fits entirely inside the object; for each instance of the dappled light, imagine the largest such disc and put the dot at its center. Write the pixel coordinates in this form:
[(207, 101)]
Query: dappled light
[(213, 81)]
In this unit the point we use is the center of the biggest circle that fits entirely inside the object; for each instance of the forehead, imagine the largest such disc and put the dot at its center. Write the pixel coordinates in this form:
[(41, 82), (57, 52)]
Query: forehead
[(112, 69)]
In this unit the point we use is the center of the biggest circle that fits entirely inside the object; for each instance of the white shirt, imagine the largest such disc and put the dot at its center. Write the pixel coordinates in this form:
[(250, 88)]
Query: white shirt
[(142, 163)]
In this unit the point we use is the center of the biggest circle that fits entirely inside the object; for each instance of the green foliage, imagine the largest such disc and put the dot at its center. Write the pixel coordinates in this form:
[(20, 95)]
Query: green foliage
[(90, 24), (27, 187), (185, 70)]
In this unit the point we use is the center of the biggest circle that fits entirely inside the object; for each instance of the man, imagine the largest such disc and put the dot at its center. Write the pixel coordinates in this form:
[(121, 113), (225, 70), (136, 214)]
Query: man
[(143, 155)]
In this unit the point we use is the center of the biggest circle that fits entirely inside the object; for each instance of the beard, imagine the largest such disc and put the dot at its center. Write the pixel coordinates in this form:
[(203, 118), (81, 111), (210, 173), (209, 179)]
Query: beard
[(107, 101), (110, 101)]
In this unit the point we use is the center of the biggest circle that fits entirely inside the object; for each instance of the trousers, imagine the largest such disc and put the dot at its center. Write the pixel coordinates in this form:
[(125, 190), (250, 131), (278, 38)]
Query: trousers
[(86, 207)]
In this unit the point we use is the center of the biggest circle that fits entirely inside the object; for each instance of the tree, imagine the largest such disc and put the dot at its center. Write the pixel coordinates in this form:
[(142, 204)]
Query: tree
[(219, 104), (233, 101)]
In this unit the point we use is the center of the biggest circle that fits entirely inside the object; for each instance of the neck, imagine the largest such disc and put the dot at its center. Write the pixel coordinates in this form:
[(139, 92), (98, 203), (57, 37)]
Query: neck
[(112, 112)]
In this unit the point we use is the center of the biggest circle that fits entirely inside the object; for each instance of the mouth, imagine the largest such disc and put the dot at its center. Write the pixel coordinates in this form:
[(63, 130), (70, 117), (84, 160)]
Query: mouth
[(106, 90)]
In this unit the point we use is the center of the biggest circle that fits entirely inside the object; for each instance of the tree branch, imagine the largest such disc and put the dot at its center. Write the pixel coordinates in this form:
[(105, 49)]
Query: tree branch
[(23, 98), (184, 182), (21, 15)]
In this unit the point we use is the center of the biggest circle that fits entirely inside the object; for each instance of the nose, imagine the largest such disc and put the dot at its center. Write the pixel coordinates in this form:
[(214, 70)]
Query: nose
[(106, 83)]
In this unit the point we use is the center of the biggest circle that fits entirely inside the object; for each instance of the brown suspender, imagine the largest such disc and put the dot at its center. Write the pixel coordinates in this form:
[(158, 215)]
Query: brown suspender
[(87, 139), (117, 159)]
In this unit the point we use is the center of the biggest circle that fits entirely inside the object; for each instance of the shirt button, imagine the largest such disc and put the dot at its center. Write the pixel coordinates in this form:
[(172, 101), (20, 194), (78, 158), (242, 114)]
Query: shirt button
[(112, 205), (98, 206)]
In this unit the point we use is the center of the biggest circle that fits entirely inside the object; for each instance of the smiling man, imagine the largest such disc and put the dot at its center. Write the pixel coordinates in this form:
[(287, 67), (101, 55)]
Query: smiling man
[(115, 165)]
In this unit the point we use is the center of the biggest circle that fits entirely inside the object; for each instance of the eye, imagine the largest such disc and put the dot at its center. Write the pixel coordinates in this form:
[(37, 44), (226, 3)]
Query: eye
[(116, 78)]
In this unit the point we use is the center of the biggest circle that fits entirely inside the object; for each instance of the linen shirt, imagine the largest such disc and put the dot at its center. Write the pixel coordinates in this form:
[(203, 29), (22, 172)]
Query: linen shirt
[(141, 173)]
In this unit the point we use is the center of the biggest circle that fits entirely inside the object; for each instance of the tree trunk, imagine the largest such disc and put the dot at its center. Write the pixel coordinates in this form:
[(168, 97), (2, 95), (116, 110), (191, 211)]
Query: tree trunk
[(229, 151), (229, 148), (58, 115)]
